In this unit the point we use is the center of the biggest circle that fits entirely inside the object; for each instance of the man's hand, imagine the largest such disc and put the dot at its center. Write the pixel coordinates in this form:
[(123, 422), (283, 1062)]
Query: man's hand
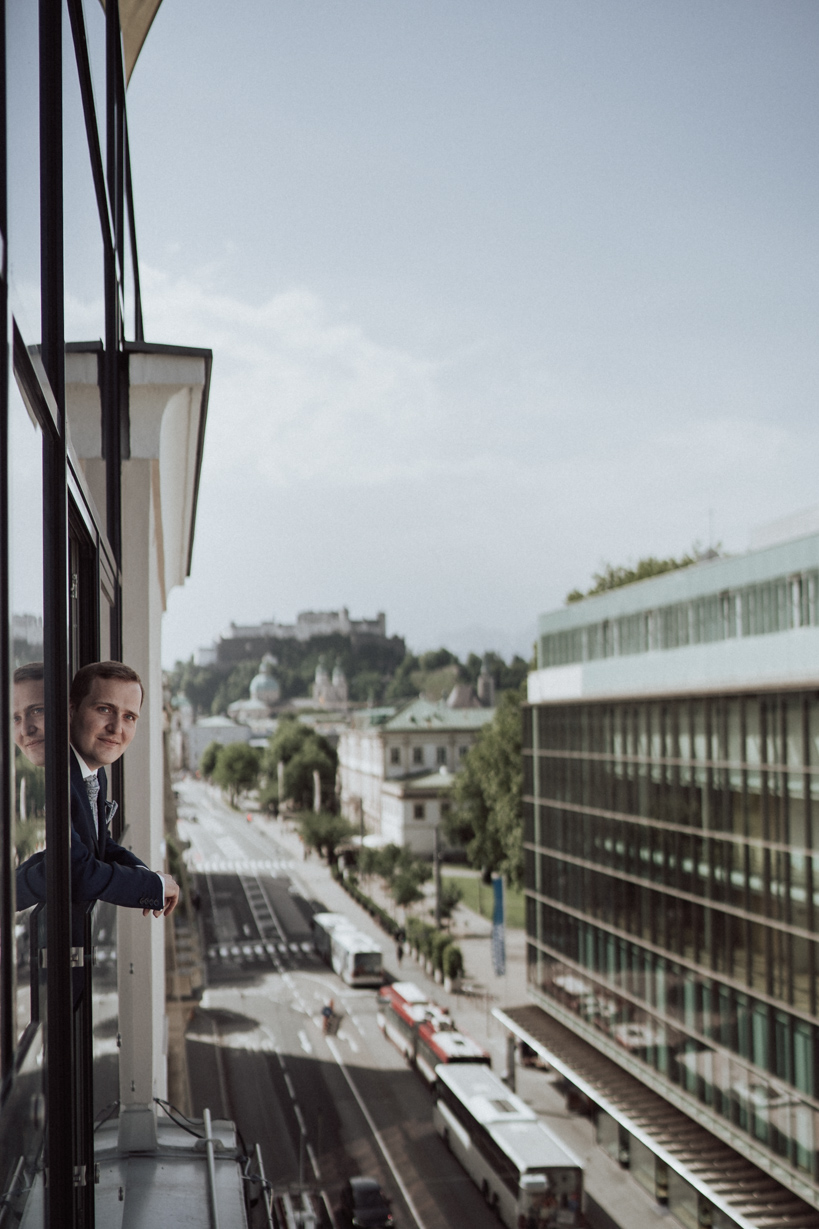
[(171, 898)]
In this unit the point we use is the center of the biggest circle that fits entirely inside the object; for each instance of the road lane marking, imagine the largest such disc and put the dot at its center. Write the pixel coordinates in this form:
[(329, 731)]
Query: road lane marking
[(299, 1118), (314, 1162), (414, 1213), (304, 1042), (344, 1037), (290, 1087)]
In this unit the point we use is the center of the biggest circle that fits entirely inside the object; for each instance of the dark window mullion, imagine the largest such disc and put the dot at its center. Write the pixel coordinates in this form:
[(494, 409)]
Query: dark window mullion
[(7, 986), (59, 1025)]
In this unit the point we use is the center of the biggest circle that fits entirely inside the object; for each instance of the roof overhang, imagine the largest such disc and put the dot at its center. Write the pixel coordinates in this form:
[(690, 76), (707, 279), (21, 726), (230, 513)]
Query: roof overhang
[(135, 18), (168, 392)]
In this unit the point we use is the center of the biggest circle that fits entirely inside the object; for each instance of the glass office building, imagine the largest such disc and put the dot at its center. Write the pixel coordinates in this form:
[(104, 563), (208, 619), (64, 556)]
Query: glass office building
[(671, 781)]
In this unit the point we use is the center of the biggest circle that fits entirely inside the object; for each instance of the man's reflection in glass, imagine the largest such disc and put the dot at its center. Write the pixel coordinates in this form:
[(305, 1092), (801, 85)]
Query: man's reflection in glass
[(28, 709), (28, 724)]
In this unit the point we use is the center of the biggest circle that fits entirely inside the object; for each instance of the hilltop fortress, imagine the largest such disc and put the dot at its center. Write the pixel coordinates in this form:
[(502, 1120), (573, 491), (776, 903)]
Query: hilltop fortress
[(242, 640)]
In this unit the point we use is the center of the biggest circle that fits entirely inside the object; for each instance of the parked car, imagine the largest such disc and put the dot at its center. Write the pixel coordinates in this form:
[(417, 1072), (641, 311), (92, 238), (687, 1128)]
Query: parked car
[(363, 1203)]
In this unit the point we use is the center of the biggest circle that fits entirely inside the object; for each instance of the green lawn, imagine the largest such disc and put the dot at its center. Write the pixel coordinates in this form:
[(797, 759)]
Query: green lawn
[(478, 896)]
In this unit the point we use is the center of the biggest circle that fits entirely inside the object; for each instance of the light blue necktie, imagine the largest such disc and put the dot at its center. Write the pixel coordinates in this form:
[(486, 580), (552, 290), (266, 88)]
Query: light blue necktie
[(92, 788)]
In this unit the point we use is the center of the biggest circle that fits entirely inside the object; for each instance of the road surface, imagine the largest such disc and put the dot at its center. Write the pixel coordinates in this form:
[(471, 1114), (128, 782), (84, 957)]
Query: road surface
[(322, 1108)]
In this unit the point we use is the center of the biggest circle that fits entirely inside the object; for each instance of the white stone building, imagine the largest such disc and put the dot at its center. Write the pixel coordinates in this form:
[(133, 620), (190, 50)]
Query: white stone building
[(213, 729), (396, 767)]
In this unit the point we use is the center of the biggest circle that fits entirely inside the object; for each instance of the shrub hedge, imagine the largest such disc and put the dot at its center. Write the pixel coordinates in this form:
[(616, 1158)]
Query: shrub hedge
[(453, 961), (439, 942), (434, 945), (375, 911)]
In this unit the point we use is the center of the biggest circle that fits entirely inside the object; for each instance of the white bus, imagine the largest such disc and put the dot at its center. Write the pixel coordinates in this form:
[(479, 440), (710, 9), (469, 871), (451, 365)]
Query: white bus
[(523, 1171), (356, 957), (323, 926)]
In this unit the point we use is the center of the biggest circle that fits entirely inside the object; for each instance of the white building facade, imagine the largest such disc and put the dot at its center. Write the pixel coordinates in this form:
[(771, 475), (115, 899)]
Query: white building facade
[(396, 767)]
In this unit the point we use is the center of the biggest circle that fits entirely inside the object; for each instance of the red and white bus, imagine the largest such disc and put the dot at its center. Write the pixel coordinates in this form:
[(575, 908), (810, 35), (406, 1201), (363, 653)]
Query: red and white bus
[(434, 1046), (424, 1033)]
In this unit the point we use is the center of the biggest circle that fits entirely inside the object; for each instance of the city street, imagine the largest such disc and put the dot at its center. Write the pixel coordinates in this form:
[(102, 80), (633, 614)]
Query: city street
[(321, 1108)]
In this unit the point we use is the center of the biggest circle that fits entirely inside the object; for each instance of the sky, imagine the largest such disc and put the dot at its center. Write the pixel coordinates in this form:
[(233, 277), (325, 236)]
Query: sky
[(497, 293)]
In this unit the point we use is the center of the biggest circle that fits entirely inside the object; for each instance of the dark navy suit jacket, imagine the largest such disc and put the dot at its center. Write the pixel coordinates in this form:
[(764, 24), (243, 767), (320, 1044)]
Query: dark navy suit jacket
[(100, 868)]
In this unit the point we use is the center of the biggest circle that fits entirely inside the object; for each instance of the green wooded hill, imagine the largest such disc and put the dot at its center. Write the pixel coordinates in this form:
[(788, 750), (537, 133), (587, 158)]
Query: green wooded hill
[(381, 671)]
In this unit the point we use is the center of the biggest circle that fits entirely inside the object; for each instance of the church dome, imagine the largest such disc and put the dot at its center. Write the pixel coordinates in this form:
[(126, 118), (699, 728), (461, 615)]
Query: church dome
[(265, 686)]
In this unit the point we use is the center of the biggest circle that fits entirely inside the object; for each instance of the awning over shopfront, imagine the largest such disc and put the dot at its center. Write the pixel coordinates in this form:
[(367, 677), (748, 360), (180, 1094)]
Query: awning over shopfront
[(741, 1190)]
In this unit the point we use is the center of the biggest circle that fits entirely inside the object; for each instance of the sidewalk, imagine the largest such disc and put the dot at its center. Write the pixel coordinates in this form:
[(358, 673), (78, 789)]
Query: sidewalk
[(616, 1200)]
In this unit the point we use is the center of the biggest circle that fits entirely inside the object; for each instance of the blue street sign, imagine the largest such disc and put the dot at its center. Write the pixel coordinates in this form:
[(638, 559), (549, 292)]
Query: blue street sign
[(498, 927)]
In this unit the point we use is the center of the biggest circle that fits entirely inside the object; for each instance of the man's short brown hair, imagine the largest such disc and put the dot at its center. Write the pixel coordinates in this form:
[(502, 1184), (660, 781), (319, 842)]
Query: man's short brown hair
[(83, 680), (31, 672)]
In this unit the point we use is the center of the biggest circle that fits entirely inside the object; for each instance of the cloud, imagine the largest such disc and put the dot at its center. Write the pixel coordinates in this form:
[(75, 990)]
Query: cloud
[(461, 491), (298, 396)]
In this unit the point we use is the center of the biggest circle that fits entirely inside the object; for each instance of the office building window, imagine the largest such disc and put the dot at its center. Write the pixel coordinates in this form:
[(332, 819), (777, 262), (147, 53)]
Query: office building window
[(417, 755), (395, 755), (753, 610), (440, 755), (672, 893), (418, 810)]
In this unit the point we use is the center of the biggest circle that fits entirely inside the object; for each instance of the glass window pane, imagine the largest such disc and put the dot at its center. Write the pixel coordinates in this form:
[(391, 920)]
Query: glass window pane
[(23, 178), (26, 587), (84, 301)]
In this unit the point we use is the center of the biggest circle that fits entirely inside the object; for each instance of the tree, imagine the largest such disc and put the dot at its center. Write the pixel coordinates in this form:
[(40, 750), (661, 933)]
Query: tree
[(402, 686), (506, 676), (405, 889), (269, 798), (368, 862), (237, 769), (451, 894), (367, 685), (616, 577), (487, 796), (235, 687), (400, 870), (208, 758), (436, 658), (198, 683), (323, 831), (302, 751), (316, 755)]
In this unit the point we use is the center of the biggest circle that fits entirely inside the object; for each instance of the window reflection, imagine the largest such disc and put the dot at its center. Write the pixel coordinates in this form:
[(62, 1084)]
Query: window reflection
[(26, 701)]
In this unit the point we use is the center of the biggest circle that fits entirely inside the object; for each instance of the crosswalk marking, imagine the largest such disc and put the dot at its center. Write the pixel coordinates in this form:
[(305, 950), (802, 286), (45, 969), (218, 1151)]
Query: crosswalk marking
[(237, 866), (261, 953)]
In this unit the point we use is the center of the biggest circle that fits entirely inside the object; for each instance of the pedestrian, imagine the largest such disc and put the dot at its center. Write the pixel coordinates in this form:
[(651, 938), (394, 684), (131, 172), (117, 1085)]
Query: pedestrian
[(399, 952)]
